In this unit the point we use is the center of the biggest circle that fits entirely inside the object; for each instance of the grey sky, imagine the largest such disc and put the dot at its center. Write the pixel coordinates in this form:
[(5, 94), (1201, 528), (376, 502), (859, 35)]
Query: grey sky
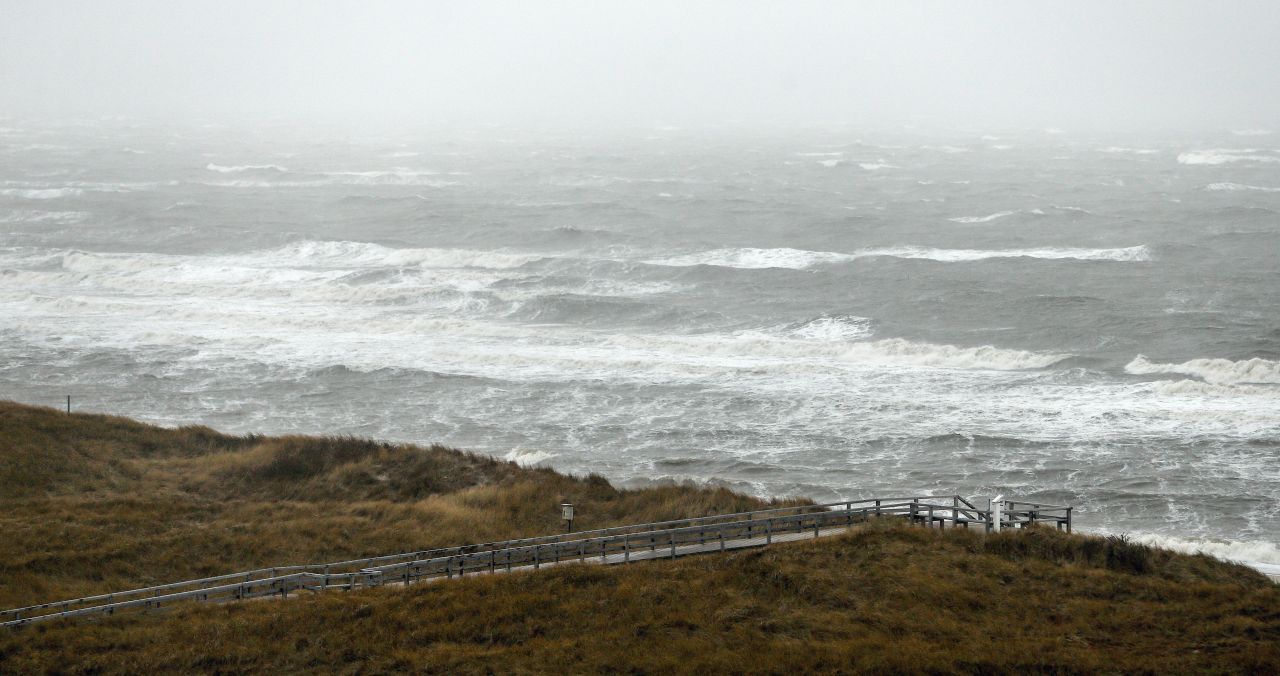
[(1068, 64)]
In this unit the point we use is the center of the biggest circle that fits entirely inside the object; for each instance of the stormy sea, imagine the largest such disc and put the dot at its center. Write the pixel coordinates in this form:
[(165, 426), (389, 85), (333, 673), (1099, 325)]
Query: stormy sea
[(1083, 319)]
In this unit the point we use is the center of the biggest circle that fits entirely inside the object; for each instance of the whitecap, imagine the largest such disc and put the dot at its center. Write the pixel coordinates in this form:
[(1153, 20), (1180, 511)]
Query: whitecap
[(1259, 554), (344, 254), (244, 167), (41, 193), (528, 458), (1238, 187), (841, 328), (753, 258), (982, 219), (1224, 156), (985, 357), (43, 216), (1121, 150), (1196, 388), (1212, 370)]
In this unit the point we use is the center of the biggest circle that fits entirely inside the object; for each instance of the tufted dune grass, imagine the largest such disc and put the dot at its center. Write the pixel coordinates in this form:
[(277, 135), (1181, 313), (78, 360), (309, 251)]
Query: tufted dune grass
[(92, 503)]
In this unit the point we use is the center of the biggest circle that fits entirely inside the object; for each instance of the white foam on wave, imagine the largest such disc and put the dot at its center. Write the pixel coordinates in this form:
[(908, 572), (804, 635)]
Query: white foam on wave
[(781, 354), (1224, 156), (1238, 187), (754, 258), (982, 219), (1258, 554), (1197, 388), (41, 193), (832, 328), (399, 173), (399, 176), (1121, 150), (1212, 370), (30, 216), (364, 254), (873, 166), (346, 179), (985, 357), (528, 458), (243, 168)]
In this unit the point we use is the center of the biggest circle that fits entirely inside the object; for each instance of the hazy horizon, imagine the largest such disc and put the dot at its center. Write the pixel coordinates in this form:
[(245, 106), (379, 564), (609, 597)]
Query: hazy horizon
[(992, 65)]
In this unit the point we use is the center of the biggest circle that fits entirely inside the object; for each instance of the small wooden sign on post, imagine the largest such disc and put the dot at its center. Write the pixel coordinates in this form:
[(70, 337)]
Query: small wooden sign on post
[(566, 512)]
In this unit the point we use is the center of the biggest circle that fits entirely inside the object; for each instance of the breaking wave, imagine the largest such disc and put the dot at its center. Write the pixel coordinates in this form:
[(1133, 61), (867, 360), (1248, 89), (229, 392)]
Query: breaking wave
[(982, 219), (528, 458), (43, 217), (345, 254), (1224, 156), (1238, 187), (985, 357), (1212, 371), (1196, 388), (831, 328), (244, 167), (756, 349), (41, 193), (1250, 553), (753, 258), (1121, 150)]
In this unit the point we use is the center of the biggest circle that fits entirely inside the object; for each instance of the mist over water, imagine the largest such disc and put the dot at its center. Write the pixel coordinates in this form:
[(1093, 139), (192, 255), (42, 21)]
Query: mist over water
[(1067, 318)]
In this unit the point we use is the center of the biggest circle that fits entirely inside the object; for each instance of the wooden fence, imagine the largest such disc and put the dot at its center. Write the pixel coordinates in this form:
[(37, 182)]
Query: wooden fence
[(623, 544)]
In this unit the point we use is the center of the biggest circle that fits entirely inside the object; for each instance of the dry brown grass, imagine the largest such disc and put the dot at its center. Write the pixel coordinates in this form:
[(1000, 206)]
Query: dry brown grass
[(892, 599), (119, 504), (91, 504)]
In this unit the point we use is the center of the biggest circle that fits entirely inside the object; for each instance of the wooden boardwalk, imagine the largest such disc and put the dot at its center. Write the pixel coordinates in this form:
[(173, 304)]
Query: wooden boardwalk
[(620, 545)]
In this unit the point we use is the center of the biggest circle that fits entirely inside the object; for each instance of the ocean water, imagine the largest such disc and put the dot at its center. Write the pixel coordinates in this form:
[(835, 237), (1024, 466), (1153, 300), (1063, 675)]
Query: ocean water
[(834, 314)]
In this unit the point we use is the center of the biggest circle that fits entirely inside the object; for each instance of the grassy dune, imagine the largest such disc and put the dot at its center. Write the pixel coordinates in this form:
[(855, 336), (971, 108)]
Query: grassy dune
[(93, 503)]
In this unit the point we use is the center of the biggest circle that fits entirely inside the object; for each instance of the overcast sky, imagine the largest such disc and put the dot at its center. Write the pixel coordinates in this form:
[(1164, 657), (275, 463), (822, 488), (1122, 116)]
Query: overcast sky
[(1064, 64)]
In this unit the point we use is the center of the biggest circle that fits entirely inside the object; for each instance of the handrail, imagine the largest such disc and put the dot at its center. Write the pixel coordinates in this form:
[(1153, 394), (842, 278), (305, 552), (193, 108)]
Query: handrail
[(740, 527), (366, 562), (890, 508)]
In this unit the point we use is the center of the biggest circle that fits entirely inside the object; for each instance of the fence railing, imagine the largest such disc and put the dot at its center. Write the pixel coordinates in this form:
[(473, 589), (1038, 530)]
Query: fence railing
[(619, 544)]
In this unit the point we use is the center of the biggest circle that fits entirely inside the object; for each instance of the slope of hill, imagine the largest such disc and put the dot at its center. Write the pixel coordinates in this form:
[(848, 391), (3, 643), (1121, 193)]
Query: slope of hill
[(94, 503)]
